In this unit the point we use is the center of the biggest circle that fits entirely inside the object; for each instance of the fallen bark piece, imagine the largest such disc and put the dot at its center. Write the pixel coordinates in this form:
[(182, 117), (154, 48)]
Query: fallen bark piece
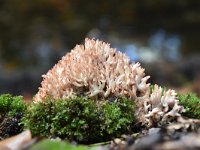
[(16, 142)]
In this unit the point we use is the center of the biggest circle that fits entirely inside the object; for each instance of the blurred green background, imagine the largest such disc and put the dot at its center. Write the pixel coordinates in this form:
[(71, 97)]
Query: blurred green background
[(162, 35)]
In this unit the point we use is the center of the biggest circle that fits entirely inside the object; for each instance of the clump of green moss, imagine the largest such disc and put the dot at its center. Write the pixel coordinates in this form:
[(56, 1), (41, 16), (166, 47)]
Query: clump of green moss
[(11, 112), (81, 119), (58, 145), (11, 104), (191, 103), (117, 117)]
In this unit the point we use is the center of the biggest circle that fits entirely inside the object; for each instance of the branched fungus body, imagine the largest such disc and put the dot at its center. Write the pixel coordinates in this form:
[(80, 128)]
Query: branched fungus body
[(100, 72), (94, 69), (161, 107)]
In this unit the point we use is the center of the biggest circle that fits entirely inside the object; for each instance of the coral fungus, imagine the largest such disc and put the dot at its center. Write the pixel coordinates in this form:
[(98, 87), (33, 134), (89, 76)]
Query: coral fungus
[(98, 71), (94, 69), (162, 106)]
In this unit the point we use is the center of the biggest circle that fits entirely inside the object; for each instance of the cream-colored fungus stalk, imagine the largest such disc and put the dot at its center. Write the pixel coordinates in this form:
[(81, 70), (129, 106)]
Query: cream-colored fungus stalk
[(99, 71)]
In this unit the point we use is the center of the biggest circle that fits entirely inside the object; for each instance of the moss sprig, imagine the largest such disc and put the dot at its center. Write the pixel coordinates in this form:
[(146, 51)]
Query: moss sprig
[(191, 103)]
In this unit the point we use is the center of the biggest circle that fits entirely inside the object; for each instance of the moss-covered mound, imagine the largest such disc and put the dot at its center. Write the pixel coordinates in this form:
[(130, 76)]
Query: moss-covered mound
[(81, 119), (11, 112)]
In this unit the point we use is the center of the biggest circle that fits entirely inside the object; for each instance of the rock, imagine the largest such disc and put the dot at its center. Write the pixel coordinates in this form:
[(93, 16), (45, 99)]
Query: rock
[(16, 142)]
